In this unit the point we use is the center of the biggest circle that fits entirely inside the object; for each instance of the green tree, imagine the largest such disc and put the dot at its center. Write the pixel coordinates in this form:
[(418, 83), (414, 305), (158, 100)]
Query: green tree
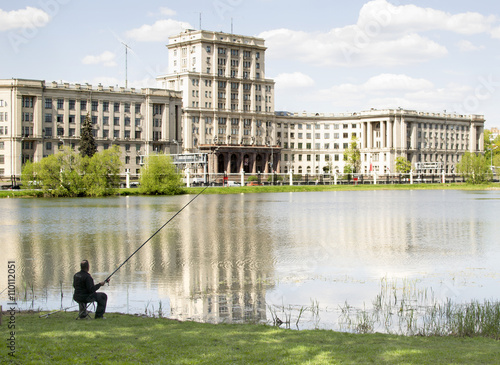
[(159, 177), (353, 156), (88, 146), (102, 172), (66, 173), (403, 166), (474, 168), (348, 171), (57, 175)]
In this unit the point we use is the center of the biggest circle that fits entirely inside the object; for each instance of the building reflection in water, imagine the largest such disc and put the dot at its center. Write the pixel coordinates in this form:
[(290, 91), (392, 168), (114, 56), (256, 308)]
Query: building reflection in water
[(219, 259)]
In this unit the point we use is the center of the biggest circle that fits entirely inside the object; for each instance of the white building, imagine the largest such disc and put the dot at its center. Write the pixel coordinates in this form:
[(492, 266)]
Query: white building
[(36, 119), (228, 102), (315, 143)]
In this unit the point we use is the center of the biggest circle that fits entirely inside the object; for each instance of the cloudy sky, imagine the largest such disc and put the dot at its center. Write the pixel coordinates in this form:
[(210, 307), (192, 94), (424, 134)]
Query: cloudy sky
[(325, 56)]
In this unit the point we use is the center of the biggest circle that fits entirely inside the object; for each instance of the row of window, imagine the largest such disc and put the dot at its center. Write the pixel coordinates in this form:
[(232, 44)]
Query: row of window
[(28, 102), (94, 118)]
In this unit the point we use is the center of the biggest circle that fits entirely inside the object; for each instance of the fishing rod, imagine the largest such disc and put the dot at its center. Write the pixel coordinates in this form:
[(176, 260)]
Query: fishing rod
[(46, 315), (154, 234)]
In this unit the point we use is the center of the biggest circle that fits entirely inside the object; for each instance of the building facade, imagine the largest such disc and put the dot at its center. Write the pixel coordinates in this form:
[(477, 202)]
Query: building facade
[(37, 119), (314, 144), (228, 102)]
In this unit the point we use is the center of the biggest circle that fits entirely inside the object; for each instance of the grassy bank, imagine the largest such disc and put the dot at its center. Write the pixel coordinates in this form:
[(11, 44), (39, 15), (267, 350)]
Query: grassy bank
[(283, 189), (303, 188), (131, 339)]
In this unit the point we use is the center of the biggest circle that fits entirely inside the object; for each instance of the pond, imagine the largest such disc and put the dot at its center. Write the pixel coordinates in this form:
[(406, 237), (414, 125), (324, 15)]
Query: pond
[(305, 258)]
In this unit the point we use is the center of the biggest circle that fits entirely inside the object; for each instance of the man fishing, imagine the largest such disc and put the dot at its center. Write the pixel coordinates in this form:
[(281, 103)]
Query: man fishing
[(86, 291)]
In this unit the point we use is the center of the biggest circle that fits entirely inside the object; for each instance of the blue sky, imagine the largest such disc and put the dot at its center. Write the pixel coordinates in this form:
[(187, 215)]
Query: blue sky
[(325, 56)]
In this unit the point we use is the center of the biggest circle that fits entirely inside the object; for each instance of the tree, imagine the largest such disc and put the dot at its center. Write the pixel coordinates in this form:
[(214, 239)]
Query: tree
[(69, 174), (57, 175), (353, 156), (159, 176), (403, 166), (88, 146), (102, 172), (474, 168)]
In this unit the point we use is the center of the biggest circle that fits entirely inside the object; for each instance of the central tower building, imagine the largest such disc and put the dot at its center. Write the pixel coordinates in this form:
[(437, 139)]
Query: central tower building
[(228, 109)]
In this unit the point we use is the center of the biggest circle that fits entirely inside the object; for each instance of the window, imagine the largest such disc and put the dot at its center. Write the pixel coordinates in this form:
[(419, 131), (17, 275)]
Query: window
[(60, 103), (105, 120), (48, 131), (48, 103), (48, 118), (137, 108), (83, 104), (105, 106), (116, 121), (72, 104), (126, 106), (116, 107)]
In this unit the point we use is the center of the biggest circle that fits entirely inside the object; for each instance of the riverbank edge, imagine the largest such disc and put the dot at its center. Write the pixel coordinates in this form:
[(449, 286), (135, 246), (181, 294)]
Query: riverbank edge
[(283, 189), (123, 338)]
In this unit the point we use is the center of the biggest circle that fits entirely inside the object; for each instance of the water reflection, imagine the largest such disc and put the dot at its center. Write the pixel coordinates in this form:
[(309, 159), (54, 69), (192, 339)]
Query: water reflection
[(225, 258)]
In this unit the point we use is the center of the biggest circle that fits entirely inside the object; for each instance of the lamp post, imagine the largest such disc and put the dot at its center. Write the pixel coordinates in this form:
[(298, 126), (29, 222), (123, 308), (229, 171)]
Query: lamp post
[(493, 147)]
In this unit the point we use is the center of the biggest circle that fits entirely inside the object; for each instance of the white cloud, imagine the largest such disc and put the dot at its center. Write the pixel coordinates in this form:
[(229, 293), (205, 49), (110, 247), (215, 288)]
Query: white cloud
[(159, 31), (393, 91), (24, 18), (293, 80), (468, 46), (412, 18), (342, 47), (106, 58), (385, 35)]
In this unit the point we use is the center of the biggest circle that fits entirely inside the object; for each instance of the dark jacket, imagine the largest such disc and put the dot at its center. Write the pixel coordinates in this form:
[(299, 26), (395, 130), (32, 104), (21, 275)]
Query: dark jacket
[(84, 286)]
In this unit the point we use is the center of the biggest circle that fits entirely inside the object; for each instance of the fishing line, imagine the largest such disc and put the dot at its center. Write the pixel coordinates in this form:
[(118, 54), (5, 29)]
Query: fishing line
[(154, 234)]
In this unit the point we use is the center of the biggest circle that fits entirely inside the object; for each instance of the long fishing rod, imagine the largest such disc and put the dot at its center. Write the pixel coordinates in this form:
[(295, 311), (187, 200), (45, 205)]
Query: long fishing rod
[(46, 315), (154, 234)]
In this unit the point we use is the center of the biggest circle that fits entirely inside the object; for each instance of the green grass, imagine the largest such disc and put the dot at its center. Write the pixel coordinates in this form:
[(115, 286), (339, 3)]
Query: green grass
[(125, 339), (284, 189), (303, 188)]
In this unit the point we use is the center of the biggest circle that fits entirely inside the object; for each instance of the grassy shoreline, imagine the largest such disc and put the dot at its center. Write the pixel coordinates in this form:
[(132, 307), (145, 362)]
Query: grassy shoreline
[(284, 189), (133, 339)]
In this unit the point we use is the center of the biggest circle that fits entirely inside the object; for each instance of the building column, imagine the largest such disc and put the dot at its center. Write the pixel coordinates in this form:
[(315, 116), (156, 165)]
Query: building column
[(472, 138), (370, 136), (383, 143), (481, 139), (365, 135), (390, 133)]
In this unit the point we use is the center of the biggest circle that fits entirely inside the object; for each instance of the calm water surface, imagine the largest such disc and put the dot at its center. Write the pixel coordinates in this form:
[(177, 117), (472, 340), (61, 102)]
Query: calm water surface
[(248, 257)]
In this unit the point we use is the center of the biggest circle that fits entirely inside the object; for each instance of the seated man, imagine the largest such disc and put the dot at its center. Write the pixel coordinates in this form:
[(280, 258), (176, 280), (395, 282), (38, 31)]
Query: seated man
[(85, 291)]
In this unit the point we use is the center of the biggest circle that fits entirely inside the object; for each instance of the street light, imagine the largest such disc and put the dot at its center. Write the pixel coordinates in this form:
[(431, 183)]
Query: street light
[(491, 150)]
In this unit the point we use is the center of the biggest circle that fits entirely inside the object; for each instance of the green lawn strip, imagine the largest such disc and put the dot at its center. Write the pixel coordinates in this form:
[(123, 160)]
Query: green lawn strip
[(367, 187), (25, 193), (122, 339)]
